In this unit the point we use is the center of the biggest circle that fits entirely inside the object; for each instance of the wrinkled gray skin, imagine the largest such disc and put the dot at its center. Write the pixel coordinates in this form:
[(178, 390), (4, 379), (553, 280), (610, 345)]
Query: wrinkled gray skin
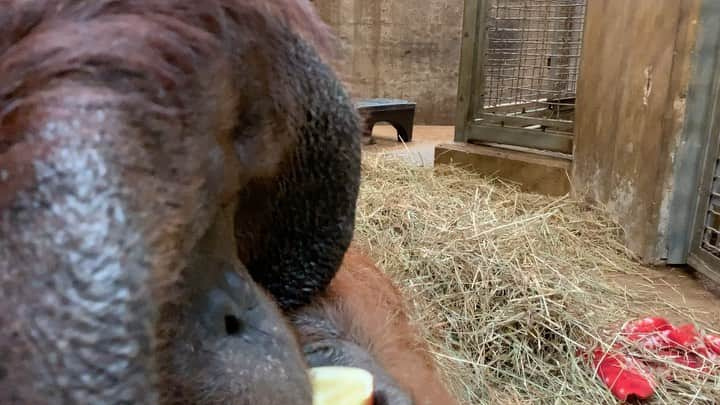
[(225, 341), (233, 345)]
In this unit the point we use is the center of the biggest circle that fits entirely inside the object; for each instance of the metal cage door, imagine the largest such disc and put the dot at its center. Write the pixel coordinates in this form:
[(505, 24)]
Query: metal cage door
[(694, 228), (705, 247), (518, 73)]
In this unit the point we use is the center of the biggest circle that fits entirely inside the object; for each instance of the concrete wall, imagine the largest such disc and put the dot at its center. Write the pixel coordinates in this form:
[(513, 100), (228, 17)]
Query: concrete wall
[(400, 49)]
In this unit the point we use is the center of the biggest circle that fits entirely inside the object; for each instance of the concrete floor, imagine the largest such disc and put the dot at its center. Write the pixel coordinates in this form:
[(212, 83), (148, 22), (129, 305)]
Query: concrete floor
[(420, 151)]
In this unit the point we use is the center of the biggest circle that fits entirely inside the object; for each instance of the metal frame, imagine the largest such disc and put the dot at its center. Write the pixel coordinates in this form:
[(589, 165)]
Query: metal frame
[(473, 122), (699, 258), (697, 153), (470, 77)]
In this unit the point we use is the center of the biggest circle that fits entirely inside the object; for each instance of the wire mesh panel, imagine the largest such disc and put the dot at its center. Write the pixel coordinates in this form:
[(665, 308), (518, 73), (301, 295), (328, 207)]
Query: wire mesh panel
[(711, 227), (705, 251), (519, 70), (532, 57)]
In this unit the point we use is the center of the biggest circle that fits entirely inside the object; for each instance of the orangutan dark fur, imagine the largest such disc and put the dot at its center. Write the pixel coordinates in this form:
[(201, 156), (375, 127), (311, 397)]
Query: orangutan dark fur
[(126, 127)]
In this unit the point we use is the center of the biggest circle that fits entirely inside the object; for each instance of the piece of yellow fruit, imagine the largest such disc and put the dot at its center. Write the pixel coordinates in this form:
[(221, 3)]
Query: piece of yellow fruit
[(341, 386)]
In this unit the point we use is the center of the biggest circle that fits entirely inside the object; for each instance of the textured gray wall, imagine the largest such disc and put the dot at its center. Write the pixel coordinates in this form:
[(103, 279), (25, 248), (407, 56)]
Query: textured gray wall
[(401, 49)]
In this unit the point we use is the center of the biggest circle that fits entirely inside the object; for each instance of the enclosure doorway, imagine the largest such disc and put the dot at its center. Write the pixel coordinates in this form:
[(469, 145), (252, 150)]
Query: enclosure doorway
[(693, 232), (518, 73), (705, 248), (704, 252)]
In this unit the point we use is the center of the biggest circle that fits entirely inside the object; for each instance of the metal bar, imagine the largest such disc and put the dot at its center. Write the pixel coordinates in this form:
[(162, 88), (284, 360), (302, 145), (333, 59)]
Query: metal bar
[(532, 30), (479, 68), (513, 108), (542, 18), (706, 264), (544, 140), (530, 5), (468, 58), (506, 60), (519, 121), (540, 42), (697, 149), (536, 55), (544, 79)]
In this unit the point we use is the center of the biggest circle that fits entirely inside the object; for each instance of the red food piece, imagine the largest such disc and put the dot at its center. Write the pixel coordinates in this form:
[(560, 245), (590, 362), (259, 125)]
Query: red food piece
[(628, 377), (624, 378), (684, 336), (656, 340), (645, 326), (713, 344), (690, 360)]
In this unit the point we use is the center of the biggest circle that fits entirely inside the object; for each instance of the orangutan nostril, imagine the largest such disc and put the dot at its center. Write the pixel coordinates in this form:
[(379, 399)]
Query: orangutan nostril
[(233, 325)]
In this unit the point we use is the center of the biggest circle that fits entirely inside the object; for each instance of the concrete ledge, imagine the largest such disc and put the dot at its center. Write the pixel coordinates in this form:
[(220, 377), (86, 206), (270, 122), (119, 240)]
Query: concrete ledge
[(535, 173)]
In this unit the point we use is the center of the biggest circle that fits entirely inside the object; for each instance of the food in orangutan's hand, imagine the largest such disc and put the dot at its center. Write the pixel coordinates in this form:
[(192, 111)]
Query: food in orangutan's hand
[(341, 386)]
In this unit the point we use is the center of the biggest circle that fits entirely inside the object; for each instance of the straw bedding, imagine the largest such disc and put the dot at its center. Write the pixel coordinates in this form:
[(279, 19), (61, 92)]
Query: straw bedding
[(507, 287)]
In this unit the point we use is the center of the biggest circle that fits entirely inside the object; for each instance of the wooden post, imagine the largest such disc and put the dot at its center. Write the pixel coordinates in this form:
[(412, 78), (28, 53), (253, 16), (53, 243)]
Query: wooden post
[(470, 78)]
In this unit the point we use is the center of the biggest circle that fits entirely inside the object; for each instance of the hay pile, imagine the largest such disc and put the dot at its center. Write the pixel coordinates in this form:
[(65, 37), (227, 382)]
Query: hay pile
[(507, 286)]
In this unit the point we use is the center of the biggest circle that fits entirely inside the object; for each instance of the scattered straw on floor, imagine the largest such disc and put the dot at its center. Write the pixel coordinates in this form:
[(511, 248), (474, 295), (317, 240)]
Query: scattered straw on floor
[(507, 286)]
